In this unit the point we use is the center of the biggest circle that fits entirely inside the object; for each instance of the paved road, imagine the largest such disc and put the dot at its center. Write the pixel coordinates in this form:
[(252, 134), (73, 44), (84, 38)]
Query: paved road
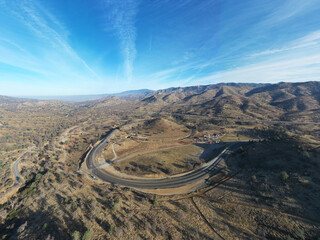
[(169, 182), (16, 172), (16, 165)]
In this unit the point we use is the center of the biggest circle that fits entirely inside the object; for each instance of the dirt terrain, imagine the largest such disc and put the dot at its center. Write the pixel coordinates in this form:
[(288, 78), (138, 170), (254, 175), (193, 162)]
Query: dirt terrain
[(267, 189)]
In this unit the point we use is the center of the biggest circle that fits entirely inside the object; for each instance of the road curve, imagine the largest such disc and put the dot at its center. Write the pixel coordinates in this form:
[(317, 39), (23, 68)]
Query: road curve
[(16, 172), (170, 182), (16, 165)]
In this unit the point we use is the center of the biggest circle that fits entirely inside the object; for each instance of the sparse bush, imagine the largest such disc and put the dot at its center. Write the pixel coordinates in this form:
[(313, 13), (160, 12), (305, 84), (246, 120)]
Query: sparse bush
[(67, 200), (45, 226), (111, 228), (38, 177), (87, 235), (115, 203), (4, 236), (241, 150), (13, 214), (155, 200), (74, 206), (306, 155), (186, 207), (76, 235), (114, 206), (299, 234), (10, 182), (284, 176)]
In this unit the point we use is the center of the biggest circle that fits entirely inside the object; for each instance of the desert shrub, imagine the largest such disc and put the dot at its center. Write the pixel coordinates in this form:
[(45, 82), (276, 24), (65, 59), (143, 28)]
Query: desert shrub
[(13, 214), (87, 235), (76, 235), (241, 149), (155, 200), (67, 200), (31, 189), (299, 234), (284, 176), (305, 155), (45, 226), (74, 206), (4, 236), (38, 177), (111, 228), (10, 182), (114, 206)]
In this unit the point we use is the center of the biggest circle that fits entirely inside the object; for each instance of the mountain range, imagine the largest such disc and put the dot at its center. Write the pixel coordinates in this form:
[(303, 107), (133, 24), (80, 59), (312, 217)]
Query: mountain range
[(281, 101)]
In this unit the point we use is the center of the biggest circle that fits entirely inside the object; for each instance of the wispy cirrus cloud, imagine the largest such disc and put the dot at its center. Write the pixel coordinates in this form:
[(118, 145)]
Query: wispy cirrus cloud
[(37, 19), (123, 18), (312, 39), (287, 10), (298, 61), (51, 55), (299, 69), (273, 65)]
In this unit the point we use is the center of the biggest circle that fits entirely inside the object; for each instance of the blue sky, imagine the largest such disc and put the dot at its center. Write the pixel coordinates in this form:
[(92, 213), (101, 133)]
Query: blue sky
[(67, 47)]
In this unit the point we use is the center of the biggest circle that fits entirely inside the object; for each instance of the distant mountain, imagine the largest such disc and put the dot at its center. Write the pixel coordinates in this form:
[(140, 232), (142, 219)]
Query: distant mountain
[(202, 88), (6, 99), (285, 101), (133, 94), (32, 105), (282, 101)]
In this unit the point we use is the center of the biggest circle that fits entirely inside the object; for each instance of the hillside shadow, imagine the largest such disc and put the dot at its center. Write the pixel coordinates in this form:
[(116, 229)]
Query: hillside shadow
[(210, 151), (39, 224)]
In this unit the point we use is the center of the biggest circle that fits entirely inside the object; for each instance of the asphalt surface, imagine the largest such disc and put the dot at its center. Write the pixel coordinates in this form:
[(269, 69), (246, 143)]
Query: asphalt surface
[(16, 165), (205, 171), (16, 173)]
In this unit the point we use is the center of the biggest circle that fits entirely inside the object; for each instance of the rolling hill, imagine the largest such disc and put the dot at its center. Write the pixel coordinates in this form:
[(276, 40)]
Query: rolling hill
[(282, 101)]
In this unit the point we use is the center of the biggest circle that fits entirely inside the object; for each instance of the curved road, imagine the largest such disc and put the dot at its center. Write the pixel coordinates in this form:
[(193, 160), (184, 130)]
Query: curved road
[(16, 172), (170, 182), (16, 164)]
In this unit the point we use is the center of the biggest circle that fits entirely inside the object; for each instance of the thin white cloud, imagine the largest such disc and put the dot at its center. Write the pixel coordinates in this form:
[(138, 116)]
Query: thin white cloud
[(176, 76), (46, 27), (306, 41), (40, 26), (287, 10), (311, 38), (305, 68), (291, 65), (123, 17)]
